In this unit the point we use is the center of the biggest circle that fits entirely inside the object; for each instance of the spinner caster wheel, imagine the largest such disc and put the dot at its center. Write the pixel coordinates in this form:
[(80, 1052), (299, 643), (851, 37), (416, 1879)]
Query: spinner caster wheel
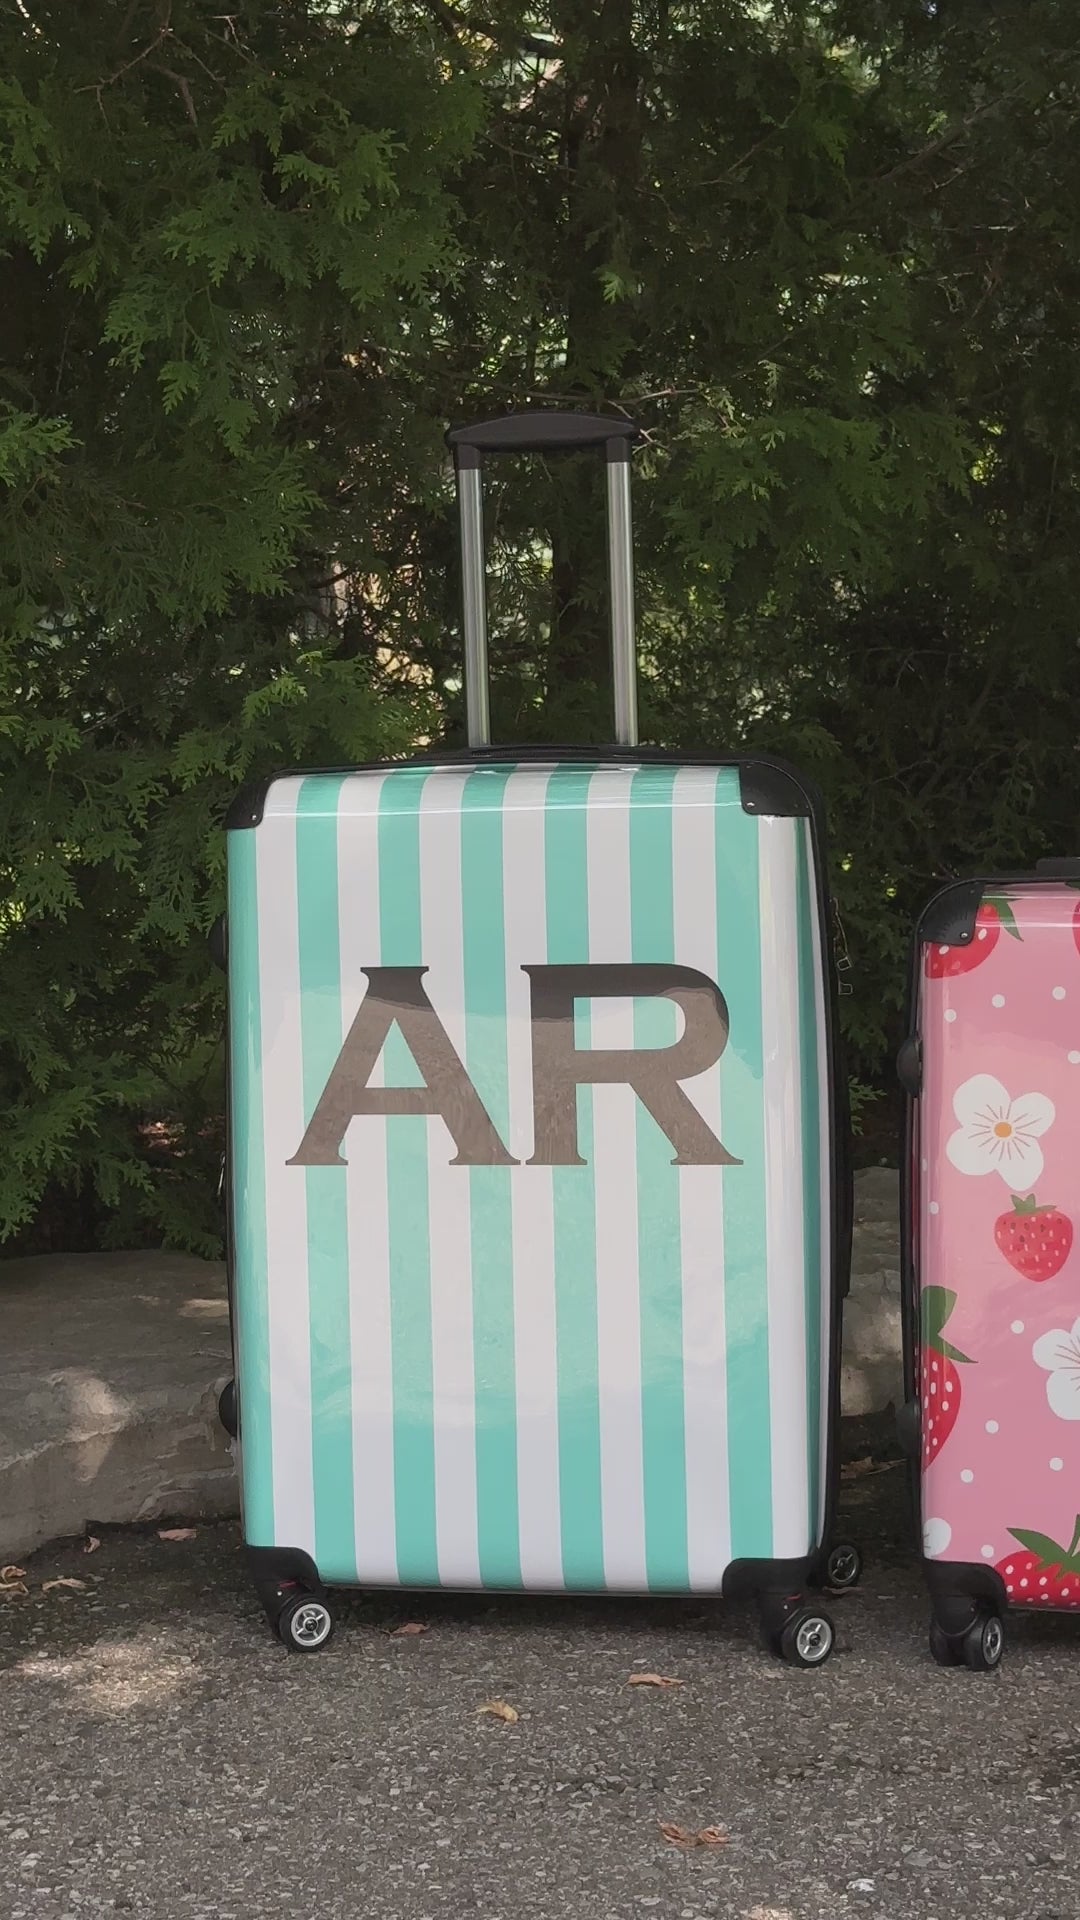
[(984, 1643), (305, 1624), (806, 1640), (946, 1652), (843, 1568)]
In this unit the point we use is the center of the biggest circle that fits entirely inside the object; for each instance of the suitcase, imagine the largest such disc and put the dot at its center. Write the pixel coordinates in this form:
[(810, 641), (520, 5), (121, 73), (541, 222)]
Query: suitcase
[(539, 1205), (991, 1277)]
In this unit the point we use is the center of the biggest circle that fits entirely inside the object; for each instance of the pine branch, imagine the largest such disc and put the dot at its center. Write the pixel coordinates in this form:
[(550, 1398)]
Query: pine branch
[(449, 18)]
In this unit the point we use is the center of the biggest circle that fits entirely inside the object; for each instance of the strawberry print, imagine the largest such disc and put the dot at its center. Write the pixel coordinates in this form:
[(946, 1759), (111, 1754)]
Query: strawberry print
[(1044, 1573), (1035, 1240), (939, 1382), (944, 962)]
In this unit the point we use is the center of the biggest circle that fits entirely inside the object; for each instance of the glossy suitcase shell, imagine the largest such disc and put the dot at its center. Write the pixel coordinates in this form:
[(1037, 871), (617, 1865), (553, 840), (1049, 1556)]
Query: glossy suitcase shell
[(991, 1264), (539, 1199)]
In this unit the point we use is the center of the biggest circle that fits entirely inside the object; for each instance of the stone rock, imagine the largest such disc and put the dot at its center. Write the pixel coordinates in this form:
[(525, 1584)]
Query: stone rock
[(110, 1369), (111, 1366)]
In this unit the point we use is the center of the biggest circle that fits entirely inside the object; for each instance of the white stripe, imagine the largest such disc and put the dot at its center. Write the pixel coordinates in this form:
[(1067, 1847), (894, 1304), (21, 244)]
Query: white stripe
[(827, 1176), (364, 1149), (784, 1232), (614, 1173), (535, 1347), (453, 1370), (289, 1357), (701, 1205)]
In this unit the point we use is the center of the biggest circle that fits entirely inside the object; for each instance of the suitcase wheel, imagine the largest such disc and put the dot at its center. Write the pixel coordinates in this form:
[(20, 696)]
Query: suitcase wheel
[(843, 1568), (806, 1640), (305, 1624), (948, 1652), (984, 1643), (980, 1647)]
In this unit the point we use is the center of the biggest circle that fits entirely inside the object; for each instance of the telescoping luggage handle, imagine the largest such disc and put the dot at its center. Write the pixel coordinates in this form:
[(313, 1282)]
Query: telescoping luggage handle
[(546, 430)]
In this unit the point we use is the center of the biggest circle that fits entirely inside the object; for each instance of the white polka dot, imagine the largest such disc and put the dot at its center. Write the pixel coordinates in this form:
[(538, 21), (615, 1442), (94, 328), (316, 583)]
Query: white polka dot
[(1018, 1326), (950, 1014), (1009, 1568), (934, 1208), (1042, 1582), (1064, 1593), (987, 1553), (1023, 1583), (1074, 1059), (926, 1166), (991, 1426), (1059, 993), (944, 1406), (943, 949), (981, 935), (933, 1366), (998, 1000), (1056, 1464), (967, 1476), (936, 1535)]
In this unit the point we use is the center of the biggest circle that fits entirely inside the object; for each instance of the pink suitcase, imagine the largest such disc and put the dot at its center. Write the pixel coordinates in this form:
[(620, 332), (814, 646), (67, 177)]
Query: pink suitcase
[(991, 1262)]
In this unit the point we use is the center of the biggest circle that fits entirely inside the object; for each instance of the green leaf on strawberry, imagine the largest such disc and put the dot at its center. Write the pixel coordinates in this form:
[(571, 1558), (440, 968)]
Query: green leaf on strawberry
[(1048, 1552), (936, 1306), (1000, 904)]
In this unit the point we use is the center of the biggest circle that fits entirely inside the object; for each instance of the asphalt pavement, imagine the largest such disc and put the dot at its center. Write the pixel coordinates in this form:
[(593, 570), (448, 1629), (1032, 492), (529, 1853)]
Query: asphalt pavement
[(161, 1755)]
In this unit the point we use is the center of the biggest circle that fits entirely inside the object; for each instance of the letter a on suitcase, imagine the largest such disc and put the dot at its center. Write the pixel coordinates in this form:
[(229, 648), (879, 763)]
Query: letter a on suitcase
[(537, 1216)]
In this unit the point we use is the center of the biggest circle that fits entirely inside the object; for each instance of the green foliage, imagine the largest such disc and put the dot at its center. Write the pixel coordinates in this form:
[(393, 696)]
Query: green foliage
[(206, 220), (825, 250)]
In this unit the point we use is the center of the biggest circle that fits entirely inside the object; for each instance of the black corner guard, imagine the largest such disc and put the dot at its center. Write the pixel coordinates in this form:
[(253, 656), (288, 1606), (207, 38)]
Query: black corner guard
[(909, 1067), (949, 920), (768, 788)]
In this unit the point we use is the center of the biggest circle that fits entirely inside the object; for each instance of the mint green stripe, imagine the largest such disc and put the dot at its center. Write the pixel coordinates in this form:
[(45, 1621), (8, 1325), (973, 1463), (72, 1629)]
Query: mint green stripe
[(251, 1303), (663, 1425), (491, 1225), (811, 1154), (327, 1217), (742, 1078), (574, 1209), (407, 1201)]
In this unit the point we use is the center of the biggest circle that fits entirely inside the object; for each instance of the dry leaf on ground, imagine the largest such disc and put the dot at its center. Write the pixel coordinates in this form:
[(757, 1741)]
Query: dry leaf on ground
[(854, 1469), (91, 1543), (177, 1533), (13, 1580), (500, 1710), (693, 1836), (654, 1680), (65, 1580), (408, 1629)]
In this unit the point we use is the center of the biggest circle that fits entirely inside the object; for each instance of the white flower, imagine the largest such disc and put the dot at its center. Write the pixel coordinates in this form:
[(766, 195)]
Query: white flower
[(1059, 1353), (998, 1134)]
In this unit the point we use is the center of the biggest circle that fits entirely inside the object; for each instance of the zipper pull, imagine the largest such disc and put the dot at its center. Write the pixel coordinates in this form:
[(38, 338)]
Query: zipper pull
[(841, 956)]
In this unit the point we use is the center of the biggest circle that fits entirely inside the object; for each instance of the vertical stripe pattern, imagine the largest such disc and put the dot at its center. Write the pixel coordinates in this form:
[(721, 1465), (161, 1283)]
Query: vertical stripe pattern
[(521, 1335)]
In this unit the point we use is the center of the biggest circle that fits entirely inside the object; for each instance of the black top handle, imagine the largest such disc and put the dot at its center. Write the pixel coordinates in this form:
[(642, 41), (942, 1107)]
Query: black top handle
[(542, 430)]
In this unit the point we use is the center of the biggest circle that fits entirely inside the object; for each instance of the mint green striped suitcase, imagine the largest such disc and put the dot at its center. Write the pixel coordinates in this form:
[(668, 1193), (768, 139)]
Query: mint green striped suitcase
[(538, 1225)]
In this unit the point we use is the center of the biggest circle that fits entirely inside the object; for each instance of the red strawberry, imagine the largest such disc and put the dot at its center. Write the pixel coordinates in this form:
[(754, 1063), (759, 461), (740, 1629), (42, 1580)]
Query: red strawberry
[(1035, 1240), (939, 1382), (942, 962), (1044, 1574)]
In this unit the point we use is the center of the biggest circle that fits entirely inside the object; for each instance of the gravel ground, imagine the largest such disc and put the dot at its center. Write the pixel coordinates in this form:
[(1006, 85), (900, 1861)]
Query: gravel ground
[(161, 1755)]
